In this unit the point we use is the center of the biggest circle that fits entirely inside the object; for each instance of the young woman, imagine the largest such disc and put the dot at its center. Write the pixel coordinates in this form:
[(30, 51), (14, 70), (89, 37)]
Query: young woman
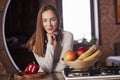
[(50, 42)]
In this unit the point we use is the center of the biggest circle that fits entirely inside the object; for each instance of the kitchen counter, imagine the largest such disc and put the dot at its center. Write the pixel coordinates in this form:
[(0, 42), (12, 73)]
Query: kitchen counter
[(38, 76), (41, 76)]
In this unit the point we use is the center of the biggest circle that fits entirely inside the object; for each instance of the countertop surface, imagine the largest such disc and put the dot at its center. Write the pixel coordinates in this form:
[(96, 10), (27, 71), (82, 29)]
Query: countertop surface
[(42, 76), (38, 76)]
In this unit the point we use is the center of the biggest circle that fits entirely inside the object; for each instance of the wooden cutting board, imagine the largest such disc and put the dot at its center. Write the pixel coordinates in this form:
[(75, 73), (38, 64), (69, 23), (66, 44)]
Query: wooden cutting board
[(29, 76)]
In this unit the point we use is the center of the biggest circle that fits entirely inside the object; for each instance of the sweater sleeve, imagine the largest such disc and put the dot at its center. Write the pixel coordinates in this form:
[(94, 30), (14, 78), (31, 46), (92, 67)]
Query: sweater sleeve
[(46, 63)]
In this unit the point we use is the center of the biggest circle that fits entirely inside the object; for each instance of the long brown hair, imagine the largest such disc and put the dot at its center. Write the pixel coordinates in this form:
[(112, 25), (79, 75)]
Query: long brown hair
[(37, 41)]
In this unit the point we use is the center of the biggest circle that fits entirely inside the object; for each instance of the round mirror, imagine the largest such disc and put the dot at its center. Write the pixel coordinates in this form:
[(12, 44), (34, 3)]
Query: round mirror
[(18, 26), (5, 57)]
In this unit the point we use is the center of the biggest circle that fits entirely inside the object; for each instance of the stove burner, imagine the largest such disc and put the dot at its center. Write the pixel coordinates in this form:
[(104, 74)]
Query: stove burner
[(93, 71)]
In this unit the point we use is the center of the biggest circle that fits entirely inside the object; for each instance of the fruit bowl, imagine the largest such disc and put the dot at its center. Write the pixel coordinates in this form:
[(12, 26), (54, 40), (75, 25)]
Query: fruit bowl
[(81, 65)]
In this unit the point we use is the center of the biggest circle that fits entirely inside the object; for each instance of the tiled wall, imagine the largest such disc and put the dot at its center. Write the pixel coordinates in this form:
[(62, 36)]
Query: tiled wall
[(109, 30), (2, 6)]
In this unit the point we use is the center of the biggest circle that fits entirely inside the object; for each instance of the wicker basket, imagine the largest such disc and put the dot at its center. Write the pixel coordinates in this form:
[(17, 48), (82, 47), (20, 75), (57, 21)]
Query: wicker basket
[(80, 65)]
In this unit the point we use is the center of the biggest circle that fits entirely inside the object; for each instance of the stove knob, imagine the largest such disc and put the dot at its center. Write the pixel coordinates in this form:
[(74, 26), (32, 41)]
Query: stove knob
[(119, 71), (70, 75)]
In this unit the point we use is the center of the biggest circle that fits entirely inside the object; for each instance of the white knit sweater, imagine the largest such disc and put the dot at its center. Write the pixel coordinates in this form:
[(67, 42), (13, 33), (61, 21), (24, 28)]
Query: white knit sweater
[(53, 57)]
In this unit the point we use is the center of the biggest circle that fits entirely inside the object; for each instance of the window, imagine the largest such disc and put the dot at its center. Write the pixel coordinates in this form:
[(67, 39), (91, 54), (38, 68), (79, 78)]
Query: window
[(79, 18)]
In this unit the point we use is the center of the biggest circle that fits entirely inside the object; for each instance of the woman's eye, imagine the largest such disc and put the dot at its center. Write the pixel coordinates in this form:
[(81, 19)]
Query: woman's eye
[(53, 19)]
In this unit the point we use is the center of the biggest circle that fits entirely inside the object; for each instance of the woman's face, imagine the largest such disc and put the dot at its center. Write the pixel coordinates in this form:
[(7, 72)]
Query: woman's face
[(49, 21)]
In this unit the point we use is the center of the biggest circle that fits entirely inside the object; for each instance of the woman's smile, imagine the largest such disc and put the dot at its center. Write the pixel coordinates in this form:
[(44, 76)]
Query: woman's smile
[(50, 30)]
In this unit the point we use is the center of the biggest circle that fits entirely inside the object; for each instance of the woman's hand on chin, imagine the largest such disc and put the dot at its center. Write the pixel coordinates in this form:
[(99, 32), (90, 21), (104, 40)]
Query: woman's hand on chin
[(52, 37)]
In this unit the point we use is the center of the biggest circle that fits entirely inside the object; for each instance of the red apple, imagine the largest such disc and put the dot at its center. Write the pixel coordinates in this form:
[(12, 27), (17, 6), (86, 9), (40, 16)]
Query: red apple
[(80, 51), (69, 56)]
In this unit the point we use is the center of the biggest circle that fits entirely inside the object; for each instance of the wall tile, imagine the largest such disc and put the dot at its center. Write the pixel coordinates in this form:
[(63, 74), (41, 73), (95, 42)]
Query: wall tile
[(2, 4), (1, 40)]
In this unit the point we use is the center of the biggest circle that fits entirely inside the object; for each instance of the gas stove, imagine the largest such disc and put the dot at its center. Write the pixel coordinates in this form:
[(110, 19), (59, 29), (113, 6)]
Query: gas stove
[(93, 73)]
